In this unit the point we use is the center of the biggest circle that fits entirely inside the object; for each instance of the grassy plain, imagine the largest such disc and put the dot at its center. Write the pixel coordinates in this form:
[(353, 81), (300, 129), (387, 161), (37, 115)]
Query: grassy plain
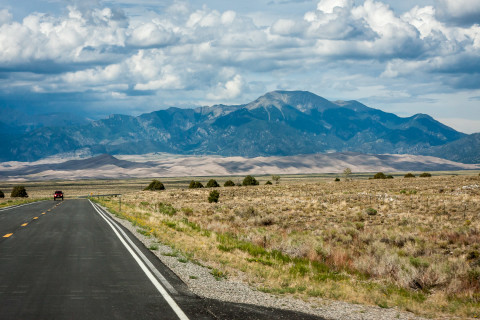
[(314, 238)]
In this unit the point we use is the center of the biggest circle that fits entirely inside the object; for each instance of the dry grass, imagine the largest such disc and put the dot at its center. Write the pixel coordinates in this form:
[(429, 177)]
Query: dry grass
[(312, 237), (420, 252)]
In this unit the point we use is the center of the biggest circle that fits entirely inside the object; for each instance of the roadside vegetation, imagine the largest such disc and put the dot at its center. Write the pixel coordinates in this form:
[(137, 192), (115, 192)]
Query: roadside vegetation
[(5, 202), (407, 243)]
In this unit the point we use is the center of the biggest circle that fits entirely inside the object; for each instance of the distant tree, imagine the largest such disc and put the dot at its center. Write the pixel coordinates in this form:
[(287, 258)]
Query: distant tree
[(229, 183), (268, 182), (276, 178), (212, 183), (250, 181), (409, 175), (19, 192), (195, 184), (2, 195), (155, 185), (337, 179), (389, 177), (380, 175), (425, 175), (347, 172), (213, 196)]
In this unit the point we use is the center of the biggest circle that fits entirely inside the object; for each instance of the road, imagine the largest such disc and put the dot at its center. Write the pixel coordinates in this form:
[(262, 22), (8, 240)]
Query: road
[(70, 260)]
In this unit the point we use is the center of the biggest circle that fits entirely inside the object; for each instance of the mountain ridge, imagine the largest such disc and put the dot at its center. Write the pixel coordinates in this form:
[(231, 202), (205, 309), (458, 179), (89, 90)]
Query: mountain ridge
[(279, 123)]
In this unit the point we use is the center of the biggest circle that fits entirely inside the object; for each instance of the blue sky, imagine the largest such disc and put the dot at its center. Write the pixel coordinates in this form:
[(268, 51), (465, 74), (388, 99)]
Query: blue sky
[(95, 57)]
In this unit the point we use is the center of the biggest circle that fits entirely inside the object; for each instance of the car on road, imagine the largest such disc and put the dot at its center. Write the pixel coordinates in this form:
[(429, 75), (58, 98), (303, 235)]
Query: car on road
[(57, 195)]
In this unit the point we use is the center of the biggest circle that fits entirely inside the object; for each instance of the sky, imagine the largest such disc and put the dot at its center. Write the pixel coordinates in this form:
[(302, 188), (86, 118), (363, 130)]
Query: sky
[(95, 58)]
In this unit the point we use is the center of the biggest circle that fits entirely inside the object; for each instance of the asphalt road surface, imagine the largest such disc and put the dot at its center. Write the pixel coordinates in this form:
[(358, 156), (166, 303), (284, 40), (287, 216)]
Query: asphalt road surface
[(70, 260)]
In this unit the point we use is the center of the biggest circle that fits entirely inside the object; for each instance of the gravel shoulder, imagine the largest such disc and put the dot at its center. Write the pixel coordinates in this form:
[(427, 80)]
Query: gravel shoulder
[(235, 289)]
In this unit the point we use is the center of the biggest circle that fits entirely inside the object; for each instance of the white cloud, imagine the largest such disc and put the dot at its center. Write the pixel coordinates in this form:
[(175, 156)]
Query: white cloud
[(329, 6), (229, 90), (228, 17), (63, 40), (150, 34)]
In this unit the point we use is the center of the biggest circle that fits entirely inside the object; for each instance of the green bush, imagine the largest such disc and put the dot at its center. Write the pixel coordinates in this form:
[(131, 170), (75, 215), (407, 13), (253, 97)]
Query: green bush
[(213, 196), (195, 184), (229, 183), (337, 179), (250, 181), (2, 195), (166, 208), (19, 192), (389, 177), (276, 178), (425, 175), (371, 211), (409, 175), (155, 185), (268, 182), (380, 175), (212, 184)]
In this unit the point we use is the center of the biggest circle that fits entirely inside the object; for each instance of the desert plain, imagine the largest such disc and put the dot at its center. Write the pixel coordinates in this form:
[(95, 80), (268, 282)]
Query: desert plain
[(408, 243)]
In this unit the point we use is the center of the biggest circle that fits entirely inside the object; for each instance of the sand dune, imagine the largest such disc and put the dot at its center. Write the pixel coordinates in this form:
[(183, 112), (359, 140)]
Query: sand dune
[(153, 165)]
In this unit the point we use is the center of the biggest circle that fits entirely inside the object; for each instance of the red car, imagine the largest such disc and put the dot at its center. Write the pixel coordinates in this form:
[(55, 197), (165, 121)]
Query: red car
[(58, 195)]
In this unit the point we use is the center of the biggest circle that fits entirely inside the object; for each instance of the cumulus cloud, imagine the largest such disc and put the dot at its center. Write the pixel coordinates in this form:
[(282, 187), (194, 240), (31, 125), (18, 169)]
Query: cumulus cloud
[(229, 90), (41, 37), (329, 6), (220, 55), (151, 34)]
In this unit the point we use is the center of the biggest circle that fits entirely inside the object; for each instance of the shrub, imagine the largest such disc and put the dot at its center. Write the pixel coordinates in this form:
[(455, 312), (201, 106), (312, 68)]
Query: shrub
[(212, 184), (213, 196), (371, 211), (155, 185), (2, 195), (268, 182), (409, 175), (425, 175), (229, 183), (276, 178), (250, 181), (166, 208), (380, 175), (195, 184), (19, 192), (337, 179), (389, 177)]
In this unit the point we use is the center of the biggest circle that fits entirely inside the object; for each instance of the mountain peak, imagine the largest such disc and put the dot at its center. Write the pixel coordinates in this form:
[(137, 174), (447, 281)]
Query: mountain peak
[(303, 101)]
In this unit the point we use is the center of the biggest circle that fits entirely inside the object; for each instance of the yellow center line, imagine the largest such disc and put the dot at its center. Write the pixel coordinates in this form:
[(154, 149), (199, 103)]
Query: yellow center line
[(35, 218), (25, 224), (7, 235), (43, 212)]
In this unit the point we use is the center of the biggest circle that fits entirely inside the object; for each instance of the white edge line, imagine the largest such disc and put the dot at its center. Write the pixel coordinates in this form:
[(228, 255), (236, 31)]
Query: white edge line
[(181, 315), (20, 205), (152, 268)]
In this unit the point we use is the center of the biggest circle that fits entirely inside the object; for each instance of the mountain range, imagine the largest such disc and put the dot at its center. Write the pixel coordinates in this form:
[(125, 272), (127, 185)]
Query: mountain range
[(280, 123)]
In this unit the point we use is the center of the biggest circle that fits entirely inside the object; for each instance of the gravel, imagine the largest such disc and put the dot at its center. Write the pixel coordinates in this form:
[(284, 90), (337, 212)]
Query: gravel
[(202, 283)]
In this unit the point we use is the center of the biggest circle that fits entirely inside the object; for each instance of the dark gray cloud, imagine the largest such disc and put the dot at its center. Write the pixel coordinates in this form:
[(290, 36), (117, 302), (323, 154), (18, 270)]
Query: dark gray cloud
[(459, 12)]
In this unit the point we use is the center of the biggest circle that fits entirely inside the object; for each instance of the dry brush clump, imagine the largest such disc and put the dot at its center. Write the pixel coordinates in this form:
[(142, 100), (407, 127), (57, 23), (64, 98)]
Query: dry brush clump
[(411, 243)]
